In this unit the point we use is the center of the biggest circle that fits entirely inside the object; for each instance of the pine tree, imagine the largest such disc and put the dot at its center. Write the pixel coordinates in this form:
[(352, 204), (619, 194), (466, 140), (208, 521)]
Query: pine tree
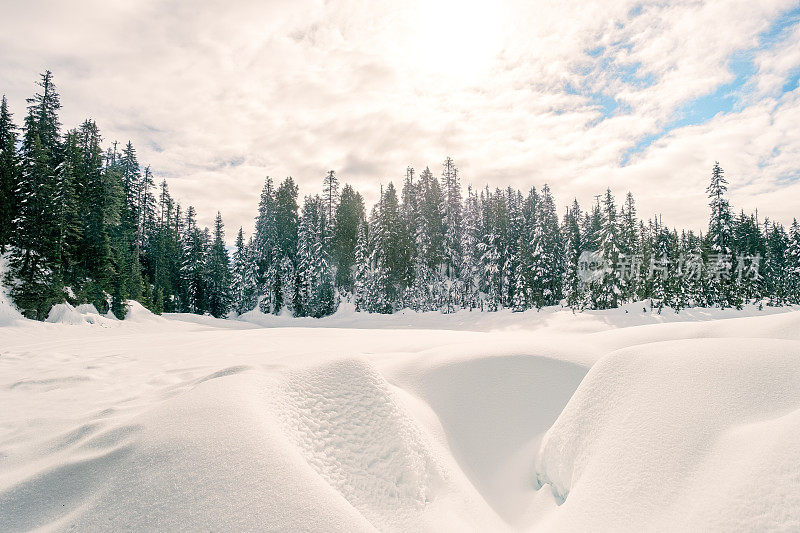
[(35, 273), (218, 275), (330, 195), (573, 247), (470, 237), (349, 216), (243, 283), (552, 249), (777, 242), (99, 206), (195, 244), (316, 296), (452, 219), (607, 291), (630, 250), (265, 249), (361, 274), (9, 175), (792, 264), (391, 256), (719, 239)]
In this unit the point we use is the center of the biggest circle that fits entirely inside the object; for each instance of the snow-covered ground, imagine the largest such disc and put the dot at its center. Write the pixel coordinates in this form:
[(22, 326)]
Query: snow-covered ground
[(616, 420)]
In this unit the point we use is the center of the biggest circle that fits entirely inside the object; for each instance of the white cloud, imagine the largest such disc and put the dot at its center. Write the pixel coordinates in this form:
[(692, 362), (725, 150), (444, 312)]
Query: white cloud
[(216, 96)]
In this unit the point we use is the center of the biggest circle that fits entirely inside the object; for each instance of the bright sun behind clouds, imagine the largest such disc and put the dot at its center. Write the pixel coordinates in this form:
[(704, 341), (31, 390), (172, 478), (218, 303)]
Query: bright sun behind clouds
[(457, 38)]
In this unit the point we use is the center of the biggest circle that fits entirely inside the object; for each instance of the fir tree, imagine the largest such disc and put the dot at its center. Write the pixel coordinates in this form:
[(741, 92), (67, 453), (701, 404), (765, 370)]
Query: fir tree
[(243, 283), (265, 249), (35, 273), (9, 174), (361, 274), (316, 296), (719, 239), (330, 195), (218, 276), (195, 244), (349, 216), (573, 247), (792, 264), (607, 291)]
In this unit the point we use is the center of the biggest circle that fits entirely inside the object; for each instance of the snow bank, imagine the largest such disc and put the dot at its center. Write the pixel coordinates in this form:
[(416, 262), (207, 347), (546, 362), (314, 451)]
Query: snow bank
[(64, 313), (87, 309), (699, 434), (139, 313), (8, 311), (327, 448)]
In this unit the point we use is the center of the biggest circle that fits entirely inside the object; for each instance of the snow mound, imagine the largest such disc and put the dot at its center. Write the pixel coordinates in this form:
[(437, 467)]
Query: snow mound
[(8, 312), (64, 313), (87, 309), (699, 434), (139, 313), (327, 448), (344, 419)]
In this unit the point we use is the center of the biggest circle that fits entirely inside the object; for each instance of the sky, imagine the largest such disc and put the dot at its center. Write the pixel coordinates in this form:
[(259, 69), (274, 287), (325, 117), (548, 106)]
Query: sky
[(628, 95)]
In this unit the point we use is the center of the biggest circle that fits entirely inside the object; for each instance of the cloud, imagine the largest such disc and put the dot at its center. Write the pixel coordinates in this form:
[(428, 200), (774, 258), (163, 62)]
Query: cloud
[(639, 96)]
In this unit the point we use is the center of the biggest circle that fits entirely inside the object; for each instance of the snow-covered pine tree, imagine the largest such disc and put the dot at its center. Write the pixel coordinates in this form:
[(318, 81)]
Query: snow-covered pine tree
[(573, 290), (362, 270), (521, 300), (553, 249), (242, 277), (719, 241), (265, 242), (470, 238), (607, 290), (316, 296), (514, 274), (452, 221), (9, 174), (777, 242), (193, 265), (629, 228), (286, 225), (35, 265), (792, 264), (490, 259), (750, 247), (330, 197), (218, 275), (349, 216), (288, 285)]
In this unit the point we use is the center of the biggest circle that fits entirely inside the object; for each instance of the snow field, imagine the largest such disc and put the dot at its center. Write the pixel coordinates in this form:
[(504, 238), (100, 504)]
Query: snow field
[(489, 422)]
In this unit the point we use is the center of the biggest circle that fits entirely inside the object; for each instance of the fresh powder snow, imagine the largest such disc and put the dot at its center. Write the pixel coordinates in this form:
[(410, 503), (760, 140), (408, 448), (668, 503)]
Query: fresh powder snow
[(618, 420)]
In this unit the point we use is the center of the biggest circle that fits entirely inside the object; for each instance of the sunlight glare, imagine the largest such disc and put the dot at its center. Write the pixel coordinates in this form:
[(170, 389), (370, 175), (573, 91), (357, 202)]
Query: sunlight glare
[(456, 38)]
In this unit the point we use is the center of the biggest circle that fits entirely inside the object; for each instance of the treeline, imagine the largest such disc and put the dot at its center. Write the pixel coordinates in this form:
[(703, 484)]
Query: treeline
[(84, 224), (88, 225)]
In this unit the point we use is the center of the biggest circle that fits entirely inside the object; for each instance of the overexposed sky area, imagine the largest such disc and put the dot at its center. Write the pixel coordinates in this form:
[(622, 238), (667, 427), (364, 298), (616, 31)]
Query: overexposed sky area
[(639, 96)]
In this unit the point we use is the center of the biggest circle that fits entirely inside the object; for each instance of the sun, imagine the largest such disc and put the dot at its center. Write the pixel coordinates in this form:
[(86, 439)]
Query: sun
[(459, 39)]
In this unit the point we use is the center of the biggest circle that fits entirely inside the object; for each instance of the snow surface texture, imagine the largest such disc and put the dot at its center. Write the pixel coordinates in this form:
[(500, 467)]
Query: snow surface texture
[(619, 421)]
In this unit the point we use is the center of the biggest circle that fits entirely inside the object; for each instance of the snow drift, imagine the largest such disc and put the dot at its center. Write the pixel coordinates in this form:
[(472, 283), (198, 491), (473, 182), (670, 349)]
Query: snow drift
[(699, 434), (486, 422)]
